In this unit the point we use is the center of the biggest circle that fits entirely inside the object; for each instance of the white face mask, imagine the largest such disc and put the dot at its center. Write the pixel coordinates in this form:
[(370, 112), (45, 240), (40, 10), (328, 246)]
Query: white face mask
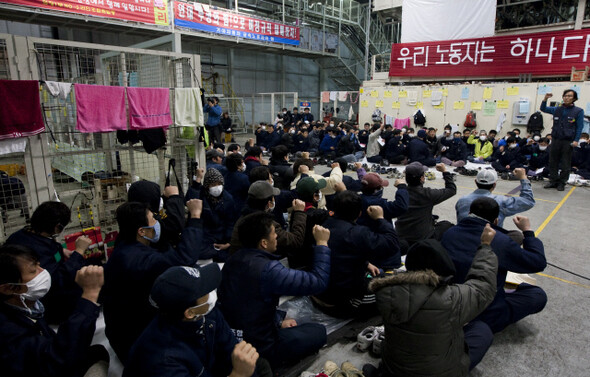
[(542, 147), (582, 141), (210, 301), (292, 132), (320, 196), (216, 190), (272, 182), (263, 128), (512, 146), (483, 138), (536, 138), (243, 167), (38, 287), (411, 135), (272, 207)]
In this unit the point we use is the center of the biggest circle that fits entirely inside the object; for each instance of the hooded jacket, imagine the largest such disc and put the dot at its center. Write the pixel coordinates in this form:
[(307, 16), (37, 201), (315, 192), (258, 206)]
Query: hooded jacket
[(424, 317)]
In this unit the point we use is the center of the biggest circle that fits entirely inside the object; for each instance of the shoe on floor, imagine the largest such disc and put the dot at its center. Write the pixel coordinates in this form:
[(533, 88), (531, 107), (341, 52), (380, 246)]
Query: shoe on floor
[(307, 374), (560, 187), (370, 370), (377, 342), (550, 185), (332, 370), (351, 370), (365, 338)]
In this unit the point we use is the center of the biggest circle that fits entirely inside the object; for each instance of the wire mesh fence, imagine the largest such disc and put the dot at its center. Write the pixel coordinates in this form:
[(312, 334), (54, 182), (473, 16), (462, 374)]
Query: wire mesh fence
[(4, 68), (91, 172)]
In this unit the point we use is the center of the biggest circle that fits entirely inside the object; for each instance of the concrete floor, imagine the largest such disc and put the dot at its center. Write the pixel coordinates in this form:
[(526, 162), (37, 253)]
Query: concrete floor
[(554, 342)]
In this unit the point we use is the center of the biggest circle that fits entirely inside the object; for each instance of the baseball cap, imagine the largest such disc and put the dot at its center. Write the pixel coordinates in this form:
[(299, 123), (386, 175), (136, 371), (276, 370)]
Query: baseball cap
[(211, 153), (262, 190), (374, 181), (179, 287), (421, 134), (307, 186), (415, 169), (487, 177)]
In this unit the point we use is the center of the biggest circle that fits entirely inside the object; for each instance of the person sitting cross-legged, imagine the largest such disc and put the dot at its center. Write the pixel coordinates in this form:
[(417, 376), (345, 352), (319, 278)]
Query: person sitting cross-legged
[(253, 279), (509, 205), (461, 242), (356, 251), (427, 318), (135, 264)]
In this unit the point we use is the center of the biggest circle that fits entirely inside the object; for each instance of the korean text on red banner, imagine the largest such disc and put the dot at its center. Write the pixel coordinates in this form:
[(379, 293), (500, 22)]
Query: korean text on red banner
[(551, 53), (146, 11)]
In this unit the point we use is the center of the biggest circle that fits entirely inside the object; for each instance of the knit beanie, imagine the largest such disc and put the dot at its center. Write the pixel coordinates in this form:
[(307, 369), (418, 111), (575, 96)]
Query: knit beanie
[(212, 176)]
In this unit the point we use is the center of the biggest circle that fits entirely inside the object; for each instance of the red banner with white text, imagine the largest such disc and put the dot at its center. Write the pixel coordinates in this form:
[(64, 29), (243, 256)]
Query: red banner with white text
[(153, 12), (550, 53)]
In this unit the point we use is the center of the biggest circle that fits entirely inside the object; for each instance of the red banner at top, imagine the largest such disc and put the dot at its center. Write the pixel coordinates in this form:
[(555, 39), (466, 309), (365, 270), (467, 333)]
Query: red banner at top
[(551, 53), (153, 12)]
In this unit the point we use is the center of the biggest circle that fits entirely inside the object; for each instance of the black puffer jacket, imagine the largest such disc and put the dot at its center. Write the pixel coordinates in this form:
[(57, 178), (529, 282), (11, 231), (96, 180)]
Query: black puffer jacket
[(424, 317)]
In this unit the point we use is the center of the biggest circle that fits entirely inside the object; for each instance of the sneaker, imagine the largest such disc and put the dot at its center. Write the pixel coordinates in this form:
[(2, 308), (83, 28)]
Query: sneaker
[(332, 370), (351, 370), (560, 187), (550, 185), (377, 342), (365, 338)]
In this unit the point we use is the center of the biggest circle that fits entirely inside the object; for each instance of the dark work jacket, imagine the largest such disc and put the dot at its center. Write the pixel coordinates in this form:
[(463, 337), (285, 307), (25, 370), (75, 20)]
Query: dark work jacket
[(282, 174), (391, 209), (64, 293), (219, 219), (457, 150), (568, 122), (304, 257), (251, 285), (432, 145), (539, 159), (129, 276), (222, 169), (172, 222), (237, 184), (394, 148), (418, 150), (462, 241), (364, 137), (176, 348), (251, 163), (272, 139), (225, 123), (29, 348), (511, 157), (300, 143), (417, 224), (352, 246)]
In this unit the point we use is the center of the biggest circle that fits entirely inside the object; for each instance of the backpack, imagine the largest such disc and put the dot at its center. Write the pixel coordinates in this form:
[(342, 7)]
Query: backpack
[(419, 118), (376, 115), (535, 123), (470, 121)]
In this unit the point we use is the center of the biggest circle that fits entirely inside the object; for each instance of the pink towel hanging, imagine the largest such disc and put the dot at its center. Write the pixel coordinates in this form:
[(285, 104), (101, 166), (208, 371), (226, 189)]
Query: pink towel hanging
[(149, 108), (100, 108), (400, 123)]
